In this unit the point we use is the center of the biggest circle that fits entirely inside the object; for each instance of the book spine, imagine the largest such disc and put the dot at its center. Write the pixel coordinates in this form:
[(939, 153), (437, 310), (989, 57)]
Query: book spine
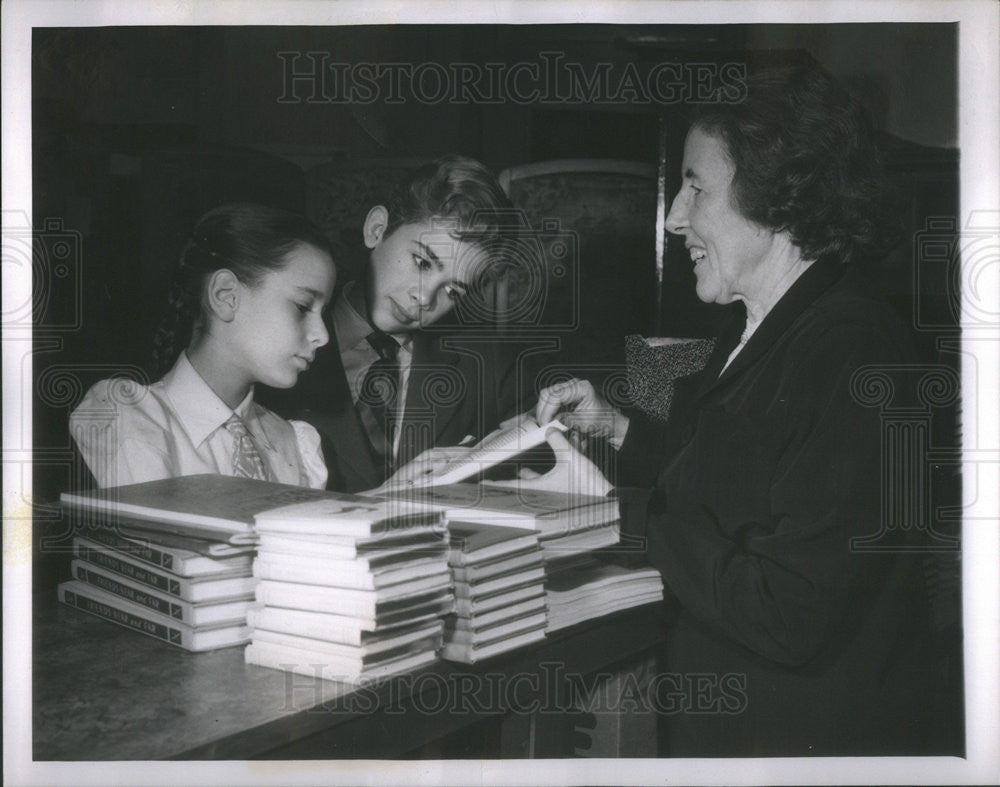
[(151, 628), (135, 550), (137, 573), (164, 606)]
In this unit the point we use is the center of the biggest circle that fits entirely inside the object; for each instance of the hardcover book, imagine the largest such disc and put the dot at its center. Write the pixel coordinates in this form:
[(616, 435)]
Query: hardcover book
[(470, 654), (348, 629), (495, 584), (350, 516), (346, 574), (205, 588), (204, 614), (143, 620), (371, 605), (316, 664), (207, 506), (374, 551), (550, 513), (182, 562), (415, 641), (478, 542)]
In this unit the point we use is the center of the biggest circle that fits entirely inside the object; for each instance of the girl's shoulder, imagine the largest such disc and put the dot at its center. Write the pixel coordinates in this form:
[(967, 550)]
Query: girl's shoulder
[(299, 441), (122, 398)]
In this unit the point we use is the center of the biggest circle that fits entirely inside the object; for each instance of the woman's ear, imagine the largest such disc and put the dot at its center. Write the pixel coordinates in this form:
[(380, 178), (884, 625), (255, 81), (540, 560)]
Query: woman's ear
[(375, 225), (223, 294)]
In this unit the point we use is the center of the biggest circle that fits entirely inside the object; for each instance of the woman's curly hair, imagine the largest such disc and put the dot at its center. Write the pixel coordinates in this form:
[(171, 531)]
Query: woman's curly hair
[(806, 162)]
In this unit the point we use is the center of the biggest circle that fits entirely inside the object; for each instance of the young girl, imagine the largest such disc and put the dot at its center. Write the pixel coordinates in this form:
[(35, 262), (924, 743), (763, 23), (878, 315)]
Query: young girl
[(246, 308)]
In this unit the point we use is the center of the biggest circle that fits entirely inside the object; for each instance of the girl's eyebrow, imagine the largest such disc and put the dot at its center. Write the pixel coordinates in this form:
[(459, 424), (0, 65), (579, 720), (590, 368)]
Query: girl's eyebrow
[(310, 291)]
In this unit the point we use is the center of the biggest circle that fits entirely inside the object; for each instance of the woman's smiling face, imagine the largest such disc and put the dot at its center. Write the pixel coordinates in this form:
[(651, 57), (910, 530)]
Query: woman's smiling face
[(726, 247)]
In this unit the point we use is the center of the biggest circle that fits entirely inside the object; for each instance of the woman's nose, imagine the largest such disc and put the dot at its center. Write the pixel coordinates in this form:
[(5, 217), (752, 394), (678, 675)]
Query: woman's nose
[(677, 218)]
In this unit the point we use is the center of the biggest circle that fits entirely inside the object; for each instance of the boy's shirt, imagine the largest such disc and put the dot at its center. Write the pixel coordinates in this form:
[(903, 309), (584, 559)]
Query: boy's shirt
[(357, 356)]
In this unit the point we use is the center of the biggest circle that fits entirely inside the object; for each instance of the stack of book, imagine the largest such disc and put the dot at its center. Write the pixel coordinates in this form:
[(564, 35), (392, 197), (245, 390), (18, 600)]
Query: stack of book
[(499, 578), (171, 591), (566, 524), (585, 587), (171, 558), (349, 589)]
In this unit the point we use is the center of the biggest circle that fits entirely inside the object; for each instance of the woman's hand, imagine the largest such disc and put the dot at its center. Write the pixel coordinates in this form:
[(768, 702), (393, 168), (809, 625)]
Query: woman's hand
[(573, 473), (590, 414)]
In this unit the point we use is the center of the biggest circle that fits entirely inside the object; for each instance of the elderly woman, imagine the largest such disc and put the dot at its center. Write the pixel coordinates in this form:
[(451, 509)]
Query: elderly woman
[(768, 467)]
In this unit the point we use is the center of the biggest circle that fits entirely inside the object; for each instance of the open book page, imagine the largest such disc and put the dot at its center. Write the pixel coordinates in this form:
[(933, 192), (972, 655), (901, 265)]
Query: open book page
[(491, 450)]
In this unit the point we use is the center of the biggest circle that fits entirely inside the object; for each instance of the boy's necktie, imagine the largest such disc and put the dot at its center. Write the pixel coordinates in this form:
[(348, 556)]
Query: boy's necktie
[(380, 389), (247, 462)]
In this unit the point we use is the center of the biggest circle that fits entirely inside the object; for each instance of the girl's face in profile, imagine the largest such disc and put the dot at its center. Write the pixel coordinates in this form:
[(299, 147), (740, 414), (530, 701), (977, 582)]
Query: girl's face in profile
[(279, 323)]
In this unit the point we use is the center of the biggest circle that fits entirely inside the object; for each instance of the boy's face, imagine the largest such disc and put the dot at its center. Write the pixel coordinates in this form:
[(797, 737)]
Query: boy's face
[(416, 274)]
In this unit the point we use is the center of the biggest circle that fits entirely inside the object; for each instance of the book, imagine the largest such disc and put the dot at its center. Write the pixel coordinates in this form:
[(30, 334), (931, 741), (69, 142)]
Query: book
[(312, 664), (345, 628), (207, 506), (478, 542), (183, 562), (344, 515), (422, 639), (480, 572), (476, 605), (493, 449), (495, 584), (373, 551), (136, 531), (346, 574), (549, 513), (579, 542), (357, 603), (204, 614), (584, 589), (203, 588), (487, 634), (137, 618), (531, 605), (470, 654)]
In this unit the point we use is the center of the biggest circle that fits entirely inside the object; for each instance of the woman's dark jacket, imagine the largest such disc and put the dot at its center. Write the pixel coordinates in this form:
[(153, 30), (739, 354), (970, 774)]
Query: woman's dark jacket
[(811, 644)]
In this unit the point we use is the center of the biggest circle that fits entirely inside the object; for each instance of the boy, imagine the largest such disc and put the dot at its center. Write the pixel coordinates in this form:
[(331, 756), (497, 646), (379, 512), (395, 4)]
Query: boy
[(387, 388)]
